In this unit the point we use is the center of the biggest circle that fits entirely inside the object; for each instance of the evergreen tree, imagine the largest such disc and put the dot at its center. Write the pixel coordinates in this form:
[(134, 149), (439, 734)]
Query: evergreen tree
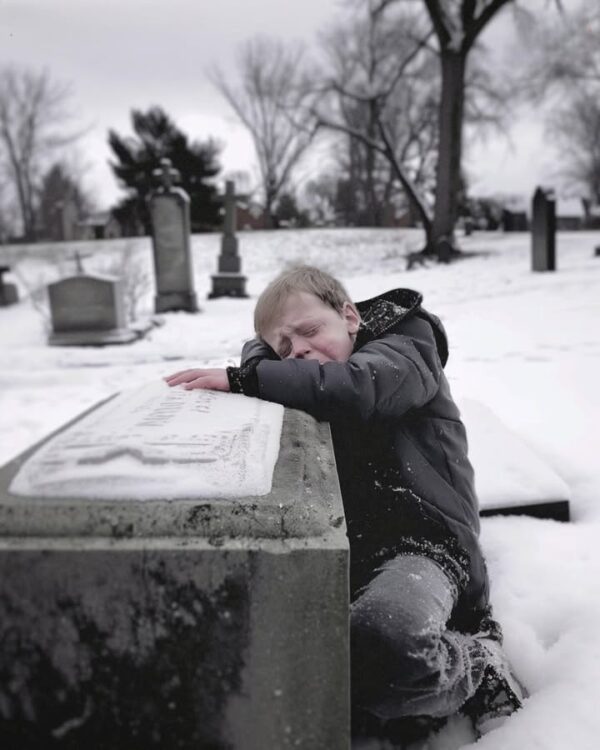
[(157, 137)]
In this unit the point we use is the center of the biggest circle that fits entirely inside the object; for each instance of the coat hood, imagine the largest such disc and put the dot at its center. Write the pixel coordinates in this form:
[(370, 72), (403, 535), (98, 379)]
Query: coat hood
[(384, 312)]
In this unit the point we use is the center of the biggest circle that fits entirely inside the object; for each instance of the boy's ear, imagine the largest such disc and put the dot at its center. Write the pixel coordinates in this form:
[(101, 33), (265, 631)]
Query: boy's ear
[(351, 316)]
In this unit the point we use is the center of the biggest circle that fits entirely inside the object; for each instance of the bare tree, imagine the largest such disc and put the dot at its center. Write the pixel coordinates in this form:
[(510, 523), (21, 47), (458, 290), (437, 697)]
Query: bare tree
[(270, 97), (378, 80), (390, 72), (6, 213), (457, 25), (565, 52), (564, 69), (380, 98), (32, 118), (577, 131)]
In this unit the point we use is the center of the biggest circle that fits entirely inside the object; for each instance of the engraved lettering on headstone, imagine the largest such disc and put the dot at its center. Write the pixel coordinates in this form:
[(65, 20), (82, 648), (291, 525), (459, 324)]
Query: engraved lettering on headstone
[(157, 442)]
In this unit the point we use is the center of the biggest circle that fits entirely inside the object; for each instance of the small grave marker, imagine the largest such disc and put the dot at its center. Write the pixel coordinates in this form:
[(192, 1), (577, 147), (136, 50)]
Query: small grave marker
[(170, 212), (229, 282), (8, 292), (88, 310), (543, 230)]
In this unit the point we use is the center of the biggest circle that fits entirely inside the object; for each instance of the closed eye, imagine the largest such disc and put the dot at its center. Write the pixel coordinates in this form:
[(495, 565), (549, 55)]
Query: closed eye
[(309, 331)]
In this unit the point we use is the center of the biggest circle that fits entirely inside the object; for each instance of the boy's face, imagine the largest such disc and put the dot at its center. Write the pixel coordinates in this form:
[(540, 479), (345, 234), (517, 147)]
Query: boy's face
[(307, 328)]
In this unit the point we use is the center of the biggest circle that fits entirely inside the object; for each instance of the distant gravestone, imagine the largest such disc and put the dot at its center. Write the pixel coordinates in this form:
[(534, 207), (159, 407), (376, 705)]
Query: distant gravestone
[(88, 311), (229, 282), (444, 250), (170, 212), (174, 573), (543, 230), (8, 292)]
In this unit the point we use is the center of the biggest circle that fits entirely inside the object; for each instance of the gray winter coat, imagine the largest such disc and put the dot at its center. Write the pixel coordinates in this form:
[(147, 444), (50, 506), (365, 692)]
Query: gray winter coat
[(401, 448)]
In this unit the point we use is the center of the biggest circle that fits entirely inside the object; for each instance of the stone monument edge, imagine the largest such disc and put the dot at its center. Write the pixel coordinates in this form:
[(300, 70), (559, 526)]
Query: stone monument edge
[(328, 524), (12, 466)]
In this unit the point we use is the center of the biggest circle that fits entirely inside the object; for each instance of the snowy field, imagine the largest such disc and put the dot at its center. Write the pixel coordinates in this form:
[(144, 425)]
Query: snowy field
[(527, 345)]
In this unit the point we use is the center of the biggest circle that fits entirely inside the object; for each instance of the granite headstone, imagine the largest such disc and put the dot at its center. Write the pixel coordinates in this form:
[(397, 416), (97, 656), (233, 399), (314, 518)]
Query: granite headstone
[(88, 310), (543, 230), (8, 292), (170, 212), (228, 281), (162, 585)]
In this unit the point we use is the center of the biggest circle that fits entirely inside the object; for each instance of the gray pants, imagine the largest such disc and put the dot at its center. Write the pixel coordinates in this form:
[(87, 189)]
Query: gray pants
[(405, 662)]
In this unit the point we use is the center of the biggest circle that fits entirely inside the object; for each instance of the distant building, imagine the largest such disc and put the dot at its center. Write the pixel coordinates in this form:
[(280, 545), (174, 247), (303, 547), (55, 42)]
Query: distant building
[(592, 214), (64, 224), (99, 226), (61, 223), (570, 214), (250, 215), (514, 221), (516, 214), (399, 216), (514, 217)]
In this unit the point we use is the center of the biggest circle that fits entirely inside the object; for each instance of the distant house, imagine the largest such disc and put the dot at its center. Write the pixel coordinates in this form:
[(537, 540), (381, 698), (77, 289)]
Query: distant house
[(515, 213), (64, 224), (570, 214), (250, 215), (399, 215), (60, 224), (99, 226), (592, 214)]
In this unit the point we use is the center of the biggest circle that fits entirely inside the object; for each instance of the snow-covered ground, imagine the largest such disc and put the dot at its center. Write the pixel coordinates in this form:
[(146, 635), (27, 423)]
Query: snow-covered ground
[(527, 345)]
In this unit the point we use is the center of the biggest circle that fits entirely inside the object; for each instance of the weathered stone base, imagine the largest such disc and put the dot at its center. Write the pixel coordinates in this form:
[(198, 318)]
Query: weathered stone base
[(173, 643), (201, 623), (96, 338), (174, 301), (228, 285), (8, 295)]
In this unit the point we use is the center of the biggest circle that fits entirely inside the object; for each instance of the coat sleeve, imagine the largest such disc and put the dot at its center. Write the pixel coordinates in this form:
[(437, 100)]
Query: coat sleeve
[(243, 379), (255, 349), (384, 379)]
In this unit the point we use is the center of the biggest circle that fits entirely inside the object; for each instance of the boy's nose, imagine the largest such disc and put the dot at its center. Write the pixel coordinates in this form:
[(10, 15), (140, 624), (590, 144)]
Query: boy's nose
[(300, 349)]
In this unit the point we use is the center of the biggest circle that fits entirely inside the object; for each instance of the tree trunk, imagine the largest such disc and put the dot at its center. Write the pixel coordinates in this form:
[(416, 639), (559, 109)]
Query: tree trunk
[(371, 196), (26, 209), (450, 147), (270, 218)]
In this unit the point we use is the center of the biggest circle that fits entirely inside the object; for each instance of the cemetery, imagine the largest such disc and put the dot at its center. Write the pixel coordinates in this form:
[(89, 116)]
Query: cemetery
[(123, 486), (396, 558)]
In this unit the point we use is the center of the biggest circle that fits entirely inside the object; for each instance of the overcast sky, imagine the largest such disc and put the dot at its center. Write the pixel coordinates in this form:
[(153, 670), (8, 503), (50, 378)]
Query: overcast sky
[(120, 54)]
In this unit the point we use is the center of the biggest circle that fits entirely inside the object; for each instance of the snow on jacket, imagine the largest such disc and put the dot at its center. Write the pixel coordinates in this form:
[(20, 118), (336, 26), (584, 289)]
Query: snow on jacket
[(400, 446)]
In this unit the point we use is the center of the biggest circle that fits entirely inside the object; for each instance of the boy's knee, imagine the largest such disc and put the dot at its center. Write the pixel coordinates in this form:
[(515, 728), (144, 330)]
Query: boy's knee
[(389, 642)]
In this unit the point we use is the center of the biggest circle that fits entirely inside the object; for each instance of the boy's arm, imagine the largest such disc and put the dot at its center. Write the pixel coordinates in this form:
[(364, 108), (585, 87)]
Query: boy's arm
[(243, 379), (383, 379), (236, 379)]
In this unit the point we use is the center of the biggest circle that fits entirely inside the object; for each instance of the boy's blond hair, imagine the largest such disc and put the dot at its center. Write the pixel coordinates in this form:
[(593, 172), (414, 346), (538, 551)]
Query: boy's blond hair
[(298, 279)]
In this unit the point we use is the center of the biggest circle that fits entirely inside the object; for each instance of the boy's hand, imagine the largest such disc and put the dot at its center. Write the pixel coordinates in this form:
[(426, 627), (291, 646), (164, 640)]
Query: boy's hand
[(214, 379)]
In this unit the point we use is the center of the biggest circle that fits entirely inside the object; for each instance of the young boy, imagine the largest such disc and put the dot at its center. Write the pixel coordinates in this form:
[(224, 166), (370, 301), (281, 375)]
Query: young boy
[(422, 639)]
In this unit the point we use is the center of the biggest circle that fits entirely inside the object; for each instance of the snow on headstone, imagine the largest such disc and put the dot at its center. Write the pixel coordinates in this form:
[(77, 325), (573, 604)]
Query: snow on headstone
[(157, 442)]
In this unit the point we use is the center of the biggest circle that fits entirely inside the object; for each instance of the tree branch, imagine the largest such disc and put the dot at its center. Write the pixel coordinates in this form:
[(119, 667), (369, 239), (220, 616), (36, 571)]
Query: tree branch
[(438, 20), (479, 23)]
